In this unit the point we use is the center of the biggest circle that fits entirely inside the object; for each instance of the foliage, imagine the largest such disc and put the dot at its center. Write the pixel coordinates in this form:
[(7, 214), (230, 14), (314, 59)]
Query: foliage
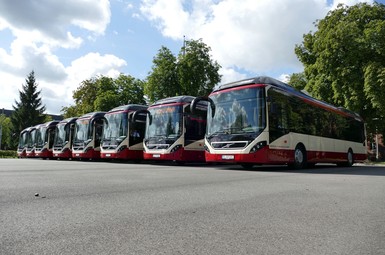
[(29, 111), (163, 82), (197, 72), (8, 154), (298, 81), (104, 93), (345, 60), (6, 129), (192, 73)]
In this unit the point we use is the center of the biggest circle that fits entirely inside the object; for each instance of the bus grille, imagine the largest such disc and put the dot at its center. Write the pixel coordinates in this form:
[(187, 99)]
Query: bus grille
[(230, 144)]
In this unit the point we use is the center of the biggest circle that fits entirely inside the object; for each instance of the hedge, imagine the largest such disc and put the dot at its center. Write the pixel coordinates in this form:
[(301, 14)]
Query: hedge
[(8, 154)]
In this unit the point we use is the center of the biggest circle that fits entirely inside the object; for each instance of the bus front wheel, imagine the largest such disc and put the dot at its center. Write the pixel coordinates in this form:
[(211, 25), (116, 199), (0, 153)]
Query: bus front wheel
[(300, 159)]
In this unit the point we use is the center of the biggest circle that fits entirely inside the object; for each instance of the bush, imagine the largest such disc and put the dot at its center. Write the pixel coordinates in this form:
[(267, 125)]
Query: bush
[(8, 154)]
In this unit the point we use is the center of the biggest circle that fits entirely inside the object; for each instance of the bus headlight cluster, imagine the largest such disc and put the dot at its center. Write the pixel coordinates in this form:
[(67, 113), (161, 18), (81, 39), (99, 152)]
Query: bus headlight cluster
[(176, 148), (258, 146), (121, 148)]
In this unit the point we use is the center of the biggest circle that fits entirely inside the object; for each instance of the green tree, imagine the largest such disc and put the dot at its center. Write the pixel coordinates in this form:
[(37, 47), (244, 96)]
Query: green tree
[(192, 73), (197, 72), (104, 93), (163, 81), (344, 60), (29, 111), (298, 81), (6, 131)]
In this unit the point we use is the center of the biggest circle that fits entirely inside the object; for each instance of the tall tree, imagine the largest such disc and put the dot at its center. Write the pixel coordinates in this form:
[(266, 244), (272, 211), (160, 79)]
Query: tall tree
[(197, 72), (163, 81), (29, 111), (345, 60), (192, 73)]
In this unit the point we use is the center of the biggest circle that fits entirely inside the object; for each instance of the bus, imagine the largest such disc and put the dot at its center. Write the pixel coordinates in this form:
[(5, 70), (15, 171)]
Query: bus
[(23, 141), (62, 145), (31, 142), (123, 138), (264, 121), (88, 134), (45, 134), (173, 132)]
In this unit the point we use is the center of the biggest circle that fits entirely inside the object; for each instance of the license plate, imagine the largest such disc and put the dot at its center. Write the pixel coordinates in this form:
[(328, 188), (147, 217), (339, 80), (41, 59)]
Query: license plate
[(56, 154), (228, 157), (156, 155), (108, 155), (77, 154)]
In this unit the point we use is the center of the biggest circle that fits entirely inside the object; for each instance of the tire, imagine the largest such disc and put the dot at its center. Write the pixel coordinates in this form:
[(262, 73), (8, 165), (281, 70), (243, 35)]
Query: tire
[(349, 159), (300, 158)]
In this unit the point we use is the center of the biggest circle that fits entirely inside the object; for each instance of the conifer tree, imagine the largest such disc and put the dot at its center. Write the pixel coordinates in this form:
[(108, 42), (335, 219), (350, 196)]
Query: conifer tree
[(29, 111)]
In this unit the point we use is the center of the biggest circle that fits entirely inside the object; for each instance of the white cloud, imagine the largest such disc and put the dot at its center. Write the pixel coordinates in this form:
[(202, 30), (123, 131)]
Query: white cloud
[(39, 29), (257, 36)]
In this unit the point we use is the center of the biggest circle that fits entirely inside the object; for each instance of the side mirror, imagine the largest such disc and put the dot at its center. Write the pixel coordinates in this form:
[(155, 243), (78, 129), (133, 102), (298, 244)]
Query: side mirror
[(136, 114), (195, 102)]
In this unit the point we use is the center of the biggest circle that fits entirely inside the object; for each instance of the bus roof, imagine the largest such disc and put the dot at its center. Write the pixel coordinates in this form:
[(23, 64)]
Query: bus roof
[(173, 100), (68, 120), (265, 80), (92, 115), (133, 107)]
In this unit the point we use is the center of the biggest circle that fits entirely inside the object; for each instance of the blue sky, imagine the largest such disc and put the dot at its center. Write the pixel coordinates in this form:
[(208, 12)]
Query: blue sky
[(66, 42)]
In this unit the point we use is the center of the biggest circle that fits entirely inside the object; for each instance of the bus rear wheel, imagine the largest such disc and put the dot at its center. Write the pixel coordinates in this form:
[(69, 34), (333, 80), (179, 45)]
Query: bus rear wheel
[(300, 159), (349, 159)]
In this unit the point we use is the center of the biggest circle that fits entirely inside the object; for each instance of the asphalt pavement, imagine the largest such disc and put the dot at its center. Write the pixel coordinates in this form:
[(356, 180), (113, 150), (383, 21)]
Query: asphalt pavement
[(78, 207)]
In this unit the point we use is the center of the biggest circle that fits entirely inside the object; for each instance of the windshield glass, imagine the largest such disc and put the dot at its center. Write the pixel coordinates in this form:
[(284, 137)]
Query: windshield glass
[(239, 114), (164, 126), (165, 122), (82, 131), (31, 139), (62, 134), (115, 128), (23, 140), (40, 136)]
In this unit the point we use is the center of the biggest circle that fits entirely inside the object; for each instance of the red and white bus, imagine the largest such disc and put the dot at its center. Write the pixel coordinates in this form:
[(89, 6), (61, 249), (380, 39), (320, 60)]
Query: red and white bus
[(31, 142), (45, 134), (23, 141), (62, 146), (88, 134), (173, 132), (123, 137), (265, 121)]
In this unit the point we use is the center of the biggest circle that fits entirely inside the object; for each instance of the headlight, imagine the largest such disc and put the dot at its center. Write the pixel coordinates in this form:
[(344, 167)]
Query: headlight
[(258, 146)]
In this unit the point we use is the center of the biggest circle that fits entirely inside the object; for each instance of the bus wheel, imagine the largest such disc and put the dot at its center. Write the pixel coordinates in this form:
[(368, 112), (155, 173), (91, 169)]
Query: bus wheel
[(349, 160), (300, 160)]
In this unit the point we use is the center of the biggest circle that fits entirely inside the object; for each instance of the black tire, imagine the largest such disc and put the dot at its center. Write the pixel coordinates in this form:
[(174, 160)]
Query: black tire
[(349, 159), (300, 158)]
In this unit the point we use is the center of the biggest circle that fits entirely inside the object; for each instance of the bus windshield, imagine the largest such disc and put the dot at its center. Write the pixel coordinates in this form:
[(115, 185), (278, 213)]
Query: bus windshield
[(82, 132), (31, 139), (62, 134), (115, 128), (240, 115), (23, 140), (41, 136), (165, 124)]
